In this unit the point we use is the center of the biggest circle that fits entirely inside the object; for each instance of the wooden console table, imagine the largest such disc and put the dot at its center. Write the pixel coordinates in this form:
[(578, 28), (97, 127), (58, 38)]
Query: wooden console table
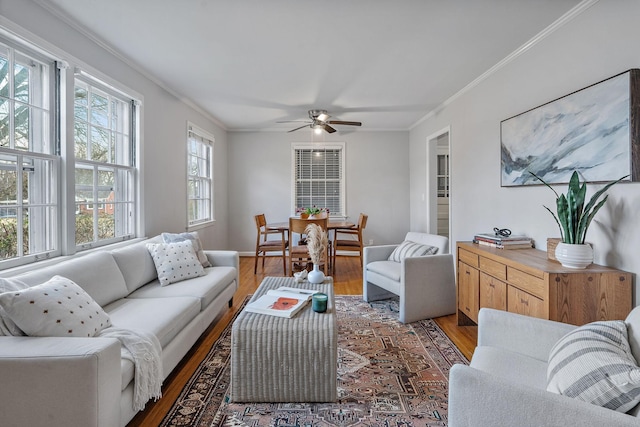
[(524, 281)]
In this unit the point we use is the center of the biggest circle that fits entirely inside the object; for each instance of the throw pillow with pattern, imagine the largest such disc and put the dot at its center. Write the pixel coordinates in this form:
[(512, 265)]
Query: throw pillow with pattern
[(408, 249), (175, 261), (56, 308), (594, 363)]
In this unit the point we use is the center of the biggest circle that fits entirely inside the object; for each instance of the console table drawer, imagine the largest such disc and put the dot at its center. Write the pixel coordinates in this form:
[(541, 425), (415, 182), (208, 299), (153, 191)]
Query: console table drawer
[(493, 268), (526, 282), (468, 258), (523, 303)]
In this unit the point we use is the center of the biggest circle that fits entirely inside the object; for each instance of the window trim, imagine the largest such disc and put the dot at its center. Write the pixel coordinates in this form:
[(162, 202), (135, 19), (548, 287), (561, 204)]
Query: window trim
[(341, 146), (18, 50), (132, 167), (198, 131)]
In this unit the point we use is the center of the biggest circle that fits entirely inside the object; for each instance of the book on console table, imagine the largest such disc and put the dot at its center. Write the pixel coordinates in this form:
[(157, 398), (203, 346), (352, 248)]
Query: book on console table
[(518, 245), (281, 302), (495, 238)]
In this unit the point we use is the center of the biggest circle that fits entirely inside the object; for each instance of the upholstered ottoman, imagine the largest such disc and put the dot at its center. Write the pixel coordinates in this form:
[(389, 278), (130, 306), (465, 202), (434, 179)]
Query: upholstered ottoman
[(275, 359)]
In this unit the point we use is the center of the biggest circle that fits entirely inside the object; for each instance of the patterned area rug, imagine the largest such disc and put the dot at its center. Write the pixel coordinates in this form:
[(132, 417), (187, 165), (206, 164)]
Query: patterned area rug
[(388, 374)]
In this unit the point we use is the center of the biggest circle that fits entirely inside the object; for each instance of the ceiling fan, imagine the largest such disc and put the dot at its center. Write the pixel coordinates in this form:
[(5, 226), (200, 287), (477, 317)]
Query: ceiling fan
[(320, 121)]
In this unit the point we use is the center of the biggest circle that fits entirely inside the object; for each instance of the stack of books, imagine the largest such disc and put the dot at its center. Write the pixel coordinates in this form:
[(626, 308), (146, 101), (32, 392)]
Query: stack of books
[(503, 242)]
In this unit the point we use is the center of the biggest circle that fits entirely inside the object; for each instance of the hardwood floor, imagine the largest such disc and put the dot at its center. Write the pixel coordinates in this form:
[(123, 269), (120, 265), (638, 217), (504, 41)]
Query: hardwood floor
[(347, 281)]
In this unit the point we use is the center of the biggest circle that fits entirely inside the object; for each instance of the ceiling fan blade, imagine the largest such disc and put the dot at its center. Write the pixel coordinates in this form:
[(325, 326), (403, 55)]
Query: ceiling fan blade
[(328, 128), (293, 121), (293, 130), (342, 122)]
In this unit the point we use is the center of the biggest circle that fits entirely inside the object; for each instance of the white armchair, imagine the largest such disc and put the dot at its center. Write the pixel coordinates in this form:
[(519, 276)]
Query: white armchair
[(426, 285), (505, 385)]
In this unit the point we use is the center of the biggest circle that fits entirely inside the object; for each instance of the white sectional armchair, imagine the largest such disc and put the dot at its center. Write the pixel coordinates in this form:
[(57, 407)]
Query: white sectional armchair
[(425, 284)]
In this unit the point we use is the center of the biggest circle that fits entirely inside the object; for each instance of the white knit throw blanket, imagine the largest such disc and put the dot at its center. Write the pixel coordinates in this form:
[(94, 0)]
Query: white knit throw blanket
[(143, 349)]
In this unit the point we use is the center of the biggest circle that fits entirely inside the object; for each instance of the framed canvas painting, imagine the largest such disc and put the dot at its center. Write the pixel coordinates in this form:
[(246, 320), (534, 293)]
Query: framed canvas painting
[(594, 130)]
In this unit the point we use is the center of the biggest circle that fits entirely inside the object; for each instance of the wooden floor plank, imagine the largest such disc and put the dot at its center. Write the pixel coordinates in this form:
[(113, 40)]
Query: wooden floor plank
[(347, 281)]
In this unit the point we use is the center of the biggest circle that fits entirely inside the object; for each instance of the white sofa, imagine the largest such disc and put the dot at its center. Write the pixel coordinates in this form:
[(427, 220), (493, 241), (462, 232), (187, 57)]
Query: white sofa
[(84, 381), (426, 285), (505, 384)]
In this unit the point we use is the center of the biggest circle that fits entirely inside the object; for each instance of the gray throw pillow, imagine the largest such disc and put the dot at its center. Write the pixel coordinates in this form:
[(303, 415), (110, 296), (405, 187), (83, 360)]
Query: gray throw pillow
[(194, 239)]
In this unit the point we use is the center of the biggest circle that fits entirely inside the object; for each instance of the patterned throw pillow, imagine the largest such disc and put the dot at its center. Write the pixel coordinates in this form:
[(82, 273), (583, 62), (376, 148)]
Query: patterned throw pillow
[(56, 308), (175, 261), (594, 363), (408, 249), (195, 240)]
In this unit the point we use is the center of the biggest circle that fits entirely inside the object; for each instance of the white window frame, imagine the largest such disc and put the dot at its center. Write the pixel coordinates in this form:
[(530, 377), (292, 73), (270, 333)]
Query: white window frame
[(205, 141), (314, 146), (44, 227), (122, 166)]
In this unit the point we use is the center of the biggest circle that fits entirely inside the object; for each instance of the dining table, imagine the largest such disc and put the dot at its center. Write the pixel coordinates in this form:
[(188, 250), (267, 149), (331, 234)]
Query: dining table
[(332, 225)]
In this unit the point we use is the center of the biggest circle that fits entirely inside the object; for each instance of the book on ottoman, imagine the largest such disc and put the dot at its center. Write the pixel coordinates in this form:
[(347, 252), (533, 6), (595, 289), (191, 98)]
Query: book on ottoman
[(281, 302)]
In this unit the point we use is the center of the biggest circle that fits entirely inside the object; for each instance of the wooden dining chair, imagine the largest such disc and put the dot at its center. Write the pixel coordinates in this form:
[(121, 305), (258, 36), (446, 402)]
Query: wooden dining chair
[(265, 245), (298, 253), (354, 244)]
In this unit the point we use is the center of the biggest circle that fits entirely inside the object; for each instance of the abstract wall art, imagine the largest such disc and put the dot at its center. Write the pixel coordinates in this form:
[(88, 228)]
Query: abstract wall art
[(594, 130)]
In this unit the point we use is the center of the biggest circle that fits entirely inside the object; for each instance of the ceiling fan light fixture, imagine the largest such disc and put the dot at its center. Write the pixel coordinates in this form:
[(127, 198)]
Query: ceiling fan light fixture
[(317, 129), (323, 117)]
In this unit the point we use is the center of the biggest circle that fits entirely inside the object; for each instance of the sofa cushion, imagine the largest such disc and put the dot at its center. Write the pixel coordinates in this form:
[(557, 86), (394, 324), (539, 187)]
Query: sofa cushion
[(56, 308), (175, 261), (206, 288), (408, 249), (594, 363), (511, 366), (194, 239), (97, 273), (163, 317), (136, 264)]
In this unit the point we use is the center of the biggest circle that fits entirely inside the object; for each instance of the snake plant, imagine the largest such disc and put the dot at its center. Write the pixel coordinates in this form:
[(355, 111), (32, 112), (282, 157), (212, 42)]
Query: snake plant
[(573, 217)]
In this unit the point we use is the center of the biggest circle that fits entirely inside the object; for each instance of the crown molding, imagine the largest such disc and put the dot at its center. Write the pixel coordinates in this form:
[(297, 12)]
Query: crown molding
[(55, 11), (557, 24)]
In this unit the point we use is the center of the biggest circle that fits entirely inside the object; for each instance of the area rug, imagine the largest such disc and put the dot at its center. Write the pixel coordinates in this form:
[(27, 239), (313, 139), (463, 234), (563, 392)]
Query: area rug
[(389, 374)]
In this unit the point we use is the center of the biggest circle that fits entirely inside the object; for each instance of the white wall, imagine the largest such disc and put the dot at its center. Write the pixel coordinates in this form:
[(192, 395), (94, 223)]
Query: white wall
[(164, 124), (597, 44), (376, 173)]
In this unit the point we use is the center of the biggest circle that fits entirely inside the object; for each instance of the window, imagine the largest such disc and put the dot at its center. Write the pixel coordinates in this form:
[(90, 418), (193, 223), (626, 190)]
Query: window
[(199, 176), (29, 167), (105, 170), (318, 177)]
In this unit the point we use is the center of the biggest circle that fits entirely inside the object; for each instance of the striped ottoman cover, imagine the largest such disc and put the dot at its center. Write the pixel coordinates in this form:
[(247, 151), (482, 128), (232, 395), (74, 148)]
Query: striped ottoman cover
[(275, 359)]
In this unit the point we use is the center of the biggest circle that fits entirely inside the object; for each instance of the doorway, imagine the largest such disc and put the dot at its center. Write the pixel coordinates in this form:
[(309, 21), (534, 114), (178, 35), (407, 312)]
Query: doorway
[(438, 179)]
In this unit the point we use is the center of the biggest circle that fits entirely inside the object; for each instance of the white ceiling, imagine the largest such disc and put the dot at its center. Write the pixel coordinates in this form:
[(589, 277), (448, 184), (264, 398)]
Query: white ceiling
[(250, 63)]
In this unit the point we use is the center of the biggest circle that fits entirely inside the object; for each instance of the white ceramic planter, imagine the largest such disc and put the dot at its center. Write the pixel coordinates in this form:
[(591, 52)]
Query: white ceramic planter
[(574, 256)]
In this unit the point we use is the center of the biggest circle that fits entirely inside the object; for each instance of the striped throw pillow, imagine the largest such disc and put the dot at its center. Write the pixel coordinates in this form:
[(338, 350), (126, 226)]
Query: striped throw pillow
[(408, 249), (594, 363)]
